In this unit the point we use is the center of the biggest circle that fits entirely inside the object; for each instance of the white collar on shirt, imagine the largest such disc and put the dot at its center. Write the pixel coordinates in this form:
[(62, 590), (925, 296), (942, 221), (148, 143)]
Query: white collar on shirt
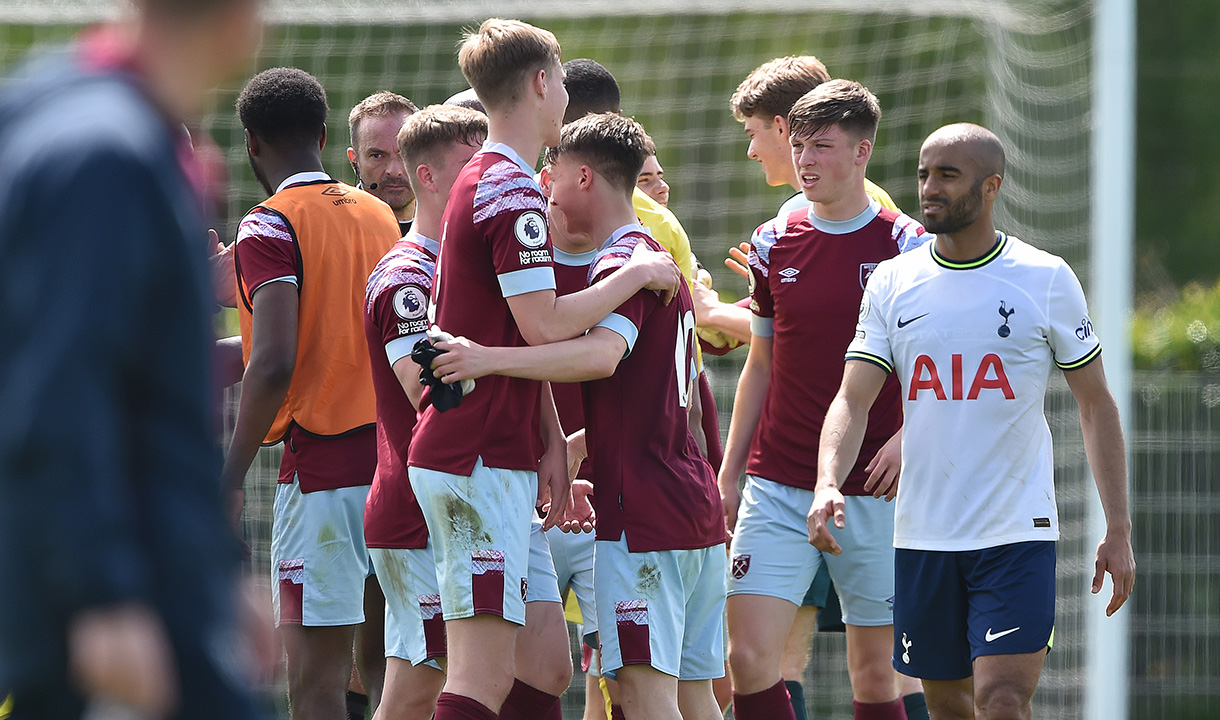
[(614, 236), (303, 177), (427, 243), (508, 152)]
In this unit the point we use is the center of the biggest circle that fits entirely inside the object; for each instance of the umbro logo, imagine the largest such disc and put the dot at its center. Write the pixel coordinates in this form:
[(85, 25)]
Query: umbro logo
[(334, 190), (788, 274), (903, 323)]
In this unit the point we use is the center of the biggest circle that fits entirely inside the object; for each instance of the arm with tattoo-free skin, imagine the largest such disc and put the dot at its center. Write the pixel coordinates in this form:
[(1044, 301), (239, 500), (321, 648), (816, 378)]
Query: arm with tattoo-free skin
[(1104, 446)]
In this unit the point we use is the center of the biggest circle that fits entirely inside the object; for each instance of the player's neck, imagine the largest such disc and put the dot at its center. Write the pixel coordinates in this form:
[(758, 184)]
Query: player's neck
[(428, 219), (849, 205), (278, 167), (611, 215), (406, 212), (791, 180), (969, 243), (575, 245), (517, 132)]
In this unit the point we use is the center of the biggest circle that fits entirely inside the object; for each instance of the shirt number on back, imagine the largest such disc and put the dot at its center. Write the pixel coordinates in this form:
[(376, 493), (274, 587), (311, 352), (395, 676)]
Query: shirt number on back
[(684, 356)]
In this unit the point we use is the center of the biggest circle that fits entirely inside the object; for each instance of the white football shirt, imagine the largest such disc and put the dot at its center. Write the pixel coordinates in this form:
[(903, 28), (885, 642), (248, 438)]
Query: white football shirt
[(973, 345)]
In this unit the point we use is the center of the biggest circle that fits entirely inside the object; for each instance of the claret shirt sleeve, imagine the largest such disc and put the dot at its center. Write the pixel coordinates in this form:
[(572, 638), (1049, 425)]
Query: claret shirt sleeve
[(266, 250), (628, 318), (511, 211), (759, 259)]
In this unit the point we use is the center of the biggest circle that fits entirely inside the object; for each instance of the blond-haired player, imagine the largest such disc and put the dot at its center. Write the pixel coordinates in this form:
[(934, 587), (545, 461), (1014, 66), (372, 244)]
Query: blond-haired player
[(475, 468)]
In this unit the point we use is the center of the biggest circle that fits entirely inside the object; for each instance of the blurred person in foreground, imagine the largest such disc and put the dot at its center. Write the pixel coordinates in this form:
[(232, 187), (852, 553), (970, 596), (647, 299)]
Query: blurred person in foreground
[(119, 566)]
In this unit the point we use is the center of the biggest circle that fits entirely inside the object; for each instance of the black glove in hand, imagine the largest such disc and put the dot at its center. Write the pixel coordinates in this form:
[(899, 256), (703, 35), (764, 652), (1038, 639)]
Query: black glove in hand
[(444, 397)]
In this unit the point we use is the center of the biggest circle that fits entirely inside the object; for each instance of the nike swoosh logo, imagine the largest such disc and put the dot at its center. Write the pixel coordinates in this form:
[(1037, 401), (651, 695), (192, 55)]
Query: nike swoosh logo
[(903, 323), (989, 636)]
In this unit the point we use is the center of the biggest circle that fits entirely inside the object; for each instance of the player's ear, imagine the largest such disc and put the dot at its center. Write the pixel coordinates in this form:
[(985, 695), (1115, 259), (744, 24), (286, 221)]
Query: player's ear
[(351, 158), (251, 143), (538, 83), (423, 173), (991, 186), (322, 139), (864, 150), (544, 180), (781, 124), (585, 179)]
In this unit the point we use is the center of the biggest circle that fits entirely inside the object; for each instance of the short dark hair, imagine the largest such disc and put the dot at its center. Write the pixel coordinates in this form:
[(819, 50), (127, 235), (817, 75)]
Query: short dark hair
[(283, 106), (845, 103), (379, 104), (614, 146), (467, 98), (591, 89)]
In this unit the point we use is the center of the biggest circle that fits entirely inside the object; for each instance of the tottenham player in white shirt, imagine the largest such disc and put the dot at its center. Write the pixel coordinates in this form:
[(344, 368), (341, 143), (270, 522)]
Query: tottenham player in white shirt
[(971, 325)]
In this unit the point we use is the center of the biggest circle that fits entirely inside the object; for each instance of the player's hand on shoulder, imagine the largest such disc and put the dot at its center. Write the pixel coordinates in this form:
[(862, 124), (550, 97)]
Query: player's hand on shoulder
[(883, 470), (1115, 556), (659, 270), (739, 260), (827, 507)]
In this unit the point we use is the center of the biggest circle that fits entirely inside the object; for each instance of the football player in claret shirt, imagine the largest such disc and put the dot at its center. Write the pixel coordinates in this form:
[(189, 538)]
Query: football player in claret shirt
[(659, 556), (373, 126), (476, 469), (435, 143), (808, 271), (761, 103), (972, 325), (303, 259)]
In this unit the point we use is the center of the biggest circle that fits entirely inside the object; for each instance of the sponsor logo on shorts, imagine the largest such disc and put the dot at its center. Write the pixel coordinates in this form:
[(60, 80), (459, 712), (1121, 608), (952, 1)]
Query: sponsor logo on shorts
[(525, 586), (292, 571), (740, 566), (990, 636), (530, 229), (906, 649)]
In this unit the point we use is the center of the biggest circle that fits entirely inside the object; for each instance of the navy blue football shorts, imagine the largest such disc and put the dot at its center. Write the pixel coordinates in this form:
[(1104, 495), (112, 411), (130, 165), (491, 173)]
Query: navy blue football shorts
[(952, 607)]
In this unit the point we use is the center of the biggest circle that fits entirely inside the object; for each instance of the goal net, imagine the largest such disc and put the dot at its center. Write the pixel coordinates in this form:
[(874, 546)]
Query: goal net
[(1019, 67)]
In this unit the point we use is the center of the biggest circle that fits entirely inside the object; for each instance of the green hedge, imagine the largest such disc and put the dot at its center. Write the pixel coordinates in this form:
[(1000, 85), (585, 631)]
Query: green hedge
[(1182, 335)]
